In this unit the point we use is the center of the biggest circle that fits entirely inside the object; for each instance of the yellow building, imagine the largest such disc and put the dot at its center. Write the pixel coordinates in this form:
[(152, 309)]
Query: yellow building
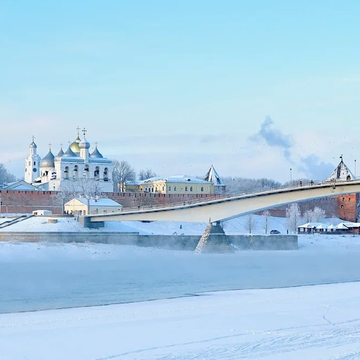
[(172, 185)]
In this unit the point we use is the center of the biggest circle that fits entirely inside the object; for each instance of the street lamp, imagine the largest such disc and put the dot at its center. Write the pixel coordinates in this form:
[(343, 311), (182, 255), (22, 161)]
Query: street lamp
[(290, 176), (355, 169)]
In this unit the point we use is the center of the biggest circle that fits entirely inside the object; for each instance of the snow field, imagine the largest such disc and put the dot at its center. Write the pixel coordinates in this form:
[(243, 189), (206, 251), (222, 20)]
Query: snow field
[(315, 322)]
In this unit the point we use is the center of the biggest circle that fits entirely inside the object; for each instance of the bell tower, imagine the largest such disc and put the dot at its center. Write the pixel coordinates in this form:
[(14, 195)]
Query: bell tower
[(32, 163)]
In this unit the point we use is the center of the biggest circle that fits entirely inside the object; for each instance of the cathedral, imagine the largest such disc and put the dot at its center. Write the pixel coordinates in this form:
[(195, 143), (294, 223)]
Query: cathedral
[(71, 168)]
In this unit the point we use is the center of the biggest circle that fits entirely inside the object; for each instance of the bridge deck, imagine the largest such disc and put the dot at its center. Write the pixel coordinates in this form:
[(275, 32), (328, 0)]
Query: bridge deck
[(232, 206)]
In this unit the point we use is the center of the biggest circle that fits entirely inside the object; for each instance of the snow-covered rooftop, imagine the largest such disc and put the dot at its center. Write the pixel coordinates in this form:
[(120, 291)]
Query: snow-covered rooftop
[(99, 202), (172, 179), (213, 176), (341, 173)]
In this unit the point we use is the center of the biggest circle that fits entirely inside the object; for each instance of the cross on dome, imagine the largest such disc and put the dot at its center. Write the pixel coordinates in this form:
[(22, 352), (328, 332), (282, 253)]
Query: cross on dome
[(84, 131)]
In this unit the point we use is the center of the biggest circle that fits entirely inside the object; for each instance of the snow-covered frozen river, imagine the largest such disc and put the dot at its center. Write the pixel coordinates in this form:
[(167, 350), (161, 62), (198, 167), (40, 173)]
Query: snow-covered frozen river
[(47, 276)]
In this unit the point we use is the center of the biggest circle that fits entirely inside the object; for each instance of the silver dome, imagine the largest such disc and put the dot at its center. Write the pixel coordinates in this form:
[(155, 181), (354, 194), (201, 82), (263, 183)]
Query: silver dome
[(69, 153), (84, 144), (48, 160), (61, 153), (96, 154)]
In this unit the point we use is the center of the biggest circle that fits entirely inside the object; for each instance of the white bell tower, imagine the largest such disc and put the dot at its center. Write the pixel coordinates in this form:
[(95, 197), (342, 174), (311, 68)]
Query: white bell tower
[(32, 163)]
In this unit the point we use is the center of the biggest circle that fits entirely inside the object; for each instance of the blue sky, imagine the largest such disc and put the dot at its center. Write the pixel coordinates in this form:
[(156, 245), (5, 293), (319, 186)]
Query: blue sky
[(253, 87)]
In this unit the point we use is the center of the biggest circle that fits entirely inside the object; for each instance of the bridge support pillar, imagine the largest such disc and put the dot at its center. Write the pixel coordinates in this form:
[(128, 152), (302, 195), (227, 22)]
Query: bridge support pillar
[(214, 240), (85, 221)]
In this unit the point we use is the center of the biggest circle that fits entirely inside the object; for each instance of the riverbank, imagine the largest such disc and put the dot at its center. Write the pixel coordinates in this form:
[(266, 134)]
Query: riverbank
[(65, 229)]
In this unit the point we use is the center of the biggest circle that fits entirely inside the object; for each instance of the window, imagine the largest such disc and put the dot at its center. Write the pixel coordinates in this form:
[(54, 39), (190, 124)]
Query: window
[(191, 188), (66, 172), (185, 188), (202, 188), (174, 188), (86, 171), (106, 178), (97, 173), (169, 188)]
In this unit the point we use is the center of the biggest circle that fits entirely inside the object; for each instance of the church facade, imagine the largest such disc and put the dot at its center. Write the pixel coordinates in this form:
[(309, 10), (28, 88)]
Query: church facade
[(74, 168)]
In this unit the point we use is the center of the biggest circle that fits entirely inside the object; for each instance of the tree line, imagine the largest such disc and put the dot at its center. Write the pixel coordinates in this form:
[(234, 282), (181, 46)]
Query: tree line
[(294, 218), (5, 176)]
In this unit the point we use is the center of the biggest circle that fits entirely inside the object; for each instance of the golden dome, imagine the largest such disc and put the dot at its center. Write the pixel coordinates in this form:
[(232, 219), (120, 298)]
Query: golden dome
[(75, 145)]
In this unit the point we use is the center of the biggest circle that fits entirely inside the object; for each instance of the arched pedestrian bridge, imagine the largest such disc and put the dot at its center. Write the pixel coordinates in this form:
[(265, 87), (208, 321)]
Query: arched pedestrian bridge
[(231, 207)]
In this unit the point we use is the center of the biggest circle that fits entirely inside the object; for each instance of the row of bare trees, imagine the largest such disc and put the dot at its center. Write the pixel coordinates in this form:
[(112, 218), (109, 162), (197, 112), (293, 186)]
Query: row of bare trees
[(124, 172), (294, 218)]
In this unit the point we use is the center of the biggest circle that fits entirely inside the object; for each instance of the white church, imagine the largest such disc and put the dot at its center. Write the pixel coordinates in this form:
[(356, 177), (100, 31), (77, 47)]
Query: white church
[(74, 166)]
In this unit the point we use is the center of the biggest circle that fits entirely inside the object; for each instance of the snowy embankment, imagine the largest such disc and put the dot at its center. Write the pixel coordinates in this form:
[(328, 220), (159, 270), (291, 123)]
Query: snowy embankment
[(316, 322), (233, 226)]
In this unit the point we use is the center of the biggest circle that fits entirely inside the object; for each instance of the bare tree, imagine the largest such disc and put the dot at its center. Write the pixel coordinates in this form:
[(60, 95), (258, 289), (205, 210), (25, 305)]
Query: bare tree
[(318, 214), (315, 215), (146, 174), (308, 215), (266, 220), (5, 176), (293, 215), (88, 188), (250, 223), (122, 173)]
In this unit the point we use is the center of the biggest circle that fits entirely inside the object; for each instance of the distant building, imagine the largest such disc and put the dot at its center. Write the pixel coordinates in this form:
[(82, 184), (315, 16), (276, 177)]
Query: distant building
[(181, 184), (20, 185), (341, 173), (82, 206), (348, 205), (74, 166), (213, 176)]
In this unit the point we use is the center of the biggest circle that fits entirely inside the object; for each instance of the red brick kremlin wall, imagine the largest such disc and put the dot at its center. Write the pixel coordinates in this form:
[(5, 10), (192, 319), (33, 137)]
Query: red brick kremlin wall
[(28, 201), (344, 207)]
